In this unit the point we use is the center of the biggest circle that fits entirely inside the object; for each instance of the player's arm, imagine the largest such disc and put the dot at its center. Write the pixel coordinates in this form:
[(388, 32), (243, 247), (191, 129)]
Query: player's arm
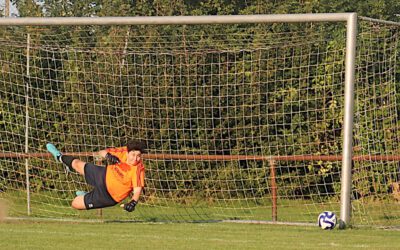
[(137, 191), (130, 206), (110, 157), (103, 153)]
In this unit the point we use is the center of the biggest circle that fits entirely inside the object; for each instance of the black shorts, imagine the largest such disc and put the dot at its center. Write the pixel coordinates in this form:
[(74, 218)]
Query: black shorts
[(99, 196)]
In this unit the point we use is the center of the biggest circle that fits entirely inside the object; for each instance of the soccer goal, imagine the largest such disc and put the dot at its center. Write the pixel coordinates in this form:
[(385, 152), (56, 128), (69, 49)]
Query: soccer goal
[(247, 118)]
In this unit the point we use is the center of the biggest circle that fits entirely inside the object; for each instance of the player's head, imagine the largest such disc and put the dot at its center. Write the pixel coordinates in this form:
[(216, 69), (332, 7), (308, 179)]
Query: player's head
[(136, 145), (135, 150)]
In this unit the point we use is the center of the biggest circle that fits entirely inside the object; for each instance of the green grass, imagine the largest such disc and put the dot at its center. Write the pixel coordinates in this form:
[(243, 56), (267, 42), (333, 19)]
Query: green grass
[(62, 235), (382, 212), (47, 204)]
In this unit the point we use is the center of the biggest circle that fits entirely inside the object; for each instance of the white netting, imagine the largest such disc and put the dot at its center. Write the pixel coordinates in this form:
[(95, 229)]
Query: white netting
[(376, 130), (211, 92)]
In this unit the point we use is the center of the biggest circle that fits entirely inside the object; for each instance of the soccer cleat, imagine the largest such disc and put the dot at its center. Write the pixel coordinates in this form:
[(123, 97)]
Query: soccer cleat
[(57, 155), (79, 193), (54, 151)]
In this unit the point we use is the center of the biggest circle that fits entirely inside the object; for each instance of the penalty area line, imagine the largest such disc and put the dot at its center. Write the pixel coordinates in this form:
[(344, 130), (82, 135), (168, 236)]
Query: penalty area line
[(271, 222)]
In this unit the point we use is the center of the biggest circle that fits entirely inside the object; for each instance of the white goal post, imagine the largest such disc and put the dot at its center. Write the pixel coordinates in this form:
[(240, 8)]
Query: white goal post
[(350, 19)]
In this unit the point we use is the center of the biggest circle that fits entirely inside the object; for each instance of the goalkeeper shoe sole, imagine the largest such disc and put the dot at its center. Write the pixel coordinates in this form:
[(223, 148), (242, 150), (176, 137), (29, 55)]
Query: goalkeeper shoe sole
[(54, 151), (79, 193), (57, 155)]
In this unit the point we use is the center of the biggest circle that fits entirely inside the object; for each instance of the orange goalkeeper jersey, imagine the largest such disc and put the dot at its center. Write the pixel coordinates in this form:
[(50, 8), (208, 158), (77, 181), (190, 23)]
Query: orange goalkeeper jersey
[(122, 178)]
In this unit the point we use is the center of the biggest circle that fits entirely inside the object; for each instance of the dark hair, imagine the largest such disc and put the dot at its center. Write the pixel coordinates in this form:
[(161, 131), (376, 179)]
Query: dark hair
[(136, 145)]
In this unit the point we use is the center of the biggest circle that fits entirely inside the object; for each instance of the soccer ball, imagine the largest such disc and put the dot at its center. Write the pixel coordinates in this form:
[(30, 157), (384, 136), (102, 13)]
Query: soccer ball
[(327, 220)]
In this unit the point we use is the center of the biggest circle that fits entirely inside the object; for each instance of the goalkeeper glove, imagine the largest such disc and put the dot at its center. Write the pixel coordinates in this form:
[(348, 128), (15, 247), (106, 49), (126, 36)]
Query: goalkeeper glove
[(130, 206), (112, 158)]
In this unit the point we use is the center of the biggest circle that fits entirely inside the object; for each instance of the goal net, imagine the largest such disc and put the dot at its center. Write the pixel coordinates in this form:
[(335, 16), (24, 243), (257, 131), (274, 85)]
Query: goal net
[(242, 122)]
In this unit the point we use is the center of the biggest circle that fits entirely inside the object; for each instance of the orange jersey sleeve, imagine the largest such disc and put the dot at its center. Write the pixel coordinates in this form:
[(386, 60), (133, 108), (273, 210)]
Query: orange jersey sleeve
[(121, 153)]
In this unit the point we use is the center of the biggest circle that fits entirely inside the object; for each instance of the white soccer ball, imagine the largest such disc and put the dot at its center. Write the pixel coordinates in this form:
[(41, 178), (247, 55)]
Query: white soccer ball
[(327, 220)]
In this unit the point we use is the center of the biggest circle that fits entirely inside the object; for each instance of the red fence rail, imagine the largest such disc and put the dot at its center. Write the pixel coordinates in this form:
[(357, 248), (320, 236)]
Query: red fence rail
[(224, 157)]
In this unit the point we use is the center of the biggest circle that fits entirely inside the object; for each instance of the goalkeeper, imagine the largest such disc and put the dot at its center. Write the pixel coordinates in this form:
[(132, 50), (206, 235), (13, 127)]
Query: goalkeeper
[(112, 183)]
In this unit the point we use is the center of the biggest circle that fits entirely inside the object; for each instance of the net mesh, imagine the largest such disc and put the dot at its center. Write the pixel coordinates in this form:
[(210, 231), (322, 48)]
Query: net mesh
[(375, 183), (219, 106)]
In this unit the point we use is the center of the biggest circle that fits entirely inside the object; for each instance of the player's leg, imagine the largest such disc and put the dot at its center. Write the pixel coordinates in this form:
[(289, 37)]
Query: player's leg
[(70, 162), (99, 197), (79, 202), (78, 165)]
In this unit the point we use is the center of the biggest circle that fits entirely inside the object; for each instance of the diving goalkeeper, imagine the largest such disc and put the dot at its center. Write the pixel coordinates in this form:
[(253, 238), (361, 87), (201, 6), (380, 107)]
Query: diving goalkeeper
[(112, 183)]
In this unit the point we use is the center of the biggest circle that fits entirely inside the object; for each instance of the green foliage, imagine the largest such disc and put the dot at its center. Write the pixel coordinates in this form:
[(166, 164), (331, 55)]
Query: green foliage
[(128, 78)]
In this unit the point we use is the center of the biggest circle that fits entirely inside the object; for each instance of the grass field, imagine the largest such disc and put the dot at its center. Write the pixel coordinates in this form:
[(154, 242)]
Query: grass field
[(64, 235), (49, 205)]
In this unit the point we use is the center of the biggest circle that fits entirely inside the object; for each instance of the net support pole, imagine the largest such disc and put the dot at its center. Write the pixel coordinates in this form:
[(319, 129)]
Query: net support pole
[(345, 198), (28, 193), (7, 8), (273, 191)]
